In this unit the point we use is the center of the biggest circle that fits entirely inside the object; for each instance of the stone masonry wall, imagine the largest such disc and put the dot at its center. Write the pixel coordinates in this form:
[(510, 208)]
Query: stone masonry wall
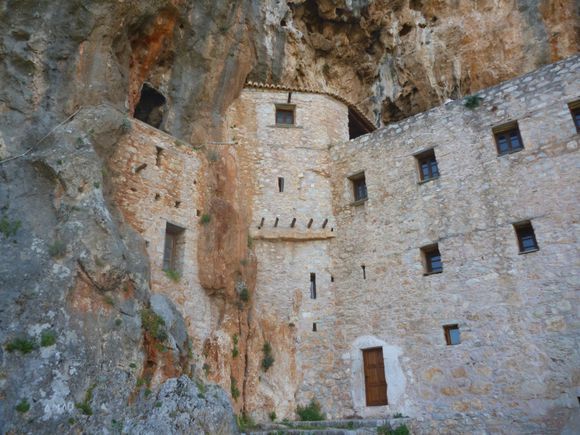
[(287, 255), (517, 367)]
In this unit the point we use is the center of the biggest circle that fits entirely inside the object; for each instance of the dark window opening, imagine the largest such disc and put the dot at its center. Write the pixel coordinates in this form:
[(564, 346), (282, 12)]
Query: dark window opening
[(149, 109), (293, 223), (364, 269), (324, 223), (432, 259), (314, 327), (157, 197), (312, 286), (526, 237), (357, 125), (575, 111), (177, 204), (158, 156), (261, 223), (140, 167), (331, 278), (427, 163), (173, 249), (276, 222), (452, 336), (310, 222), (285, 114), (359, 186), (280, 184), (508, 139)]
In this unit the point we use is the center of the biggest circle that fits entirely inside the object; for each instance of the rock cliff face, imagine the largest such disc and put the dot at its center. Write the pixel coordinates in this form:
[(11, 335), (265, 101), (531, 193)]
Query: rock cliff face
[(81, 337)]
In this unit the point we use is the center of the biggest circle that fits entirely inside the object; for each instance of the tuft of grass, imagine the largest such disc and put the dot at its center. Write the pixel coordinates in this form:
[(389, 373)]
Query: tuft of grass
[(272, 416), (310, 412), (118, 322), (157, 404), (206, 369), (47, 338), (153, 324), (398, 415), (387, 430), (109, 300), (235, 350), (23, 406), (245, 422), (71, 421), (9, 228), (96, 184), (23, 345), (205, 219), (133, 365), (250, 242), (57, 249), (472, 101), (268, 359), (148, 392), (173, 275), (201, 387), (85, 405), (234, 388)]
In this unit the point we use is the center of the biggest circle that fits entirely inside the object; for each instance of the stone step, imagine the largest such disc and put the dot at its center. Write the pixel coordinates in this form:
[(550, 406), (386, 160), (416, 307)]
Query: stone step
[(328, 427)]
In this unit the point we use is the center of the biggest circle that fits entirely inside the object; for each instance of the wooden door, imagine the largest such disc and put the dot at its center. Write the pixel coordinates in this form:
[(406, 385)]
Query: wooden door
[(375, 382)]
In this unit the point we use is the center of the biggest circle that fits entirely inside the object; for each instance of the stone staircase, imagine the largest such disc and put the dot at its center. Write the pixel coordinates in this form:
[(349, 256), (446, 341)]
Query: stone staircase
[(329, 427)]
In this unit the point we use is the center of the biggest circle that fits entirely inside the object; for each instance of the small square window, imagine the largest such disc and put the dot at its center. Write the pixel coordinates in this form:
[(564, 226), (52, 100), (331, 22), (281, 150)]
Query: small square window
[(285, 114), (452, 336), (526, 237), (508, 139), (575, 111), (432, 259), (359, 186), (427, 164)]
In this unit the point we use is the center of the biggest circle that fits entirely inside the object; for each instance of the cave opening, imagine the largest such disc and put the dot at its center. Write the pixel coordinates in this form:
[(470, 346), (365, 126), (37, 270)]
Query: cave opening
[(357, 125), (149, 109)]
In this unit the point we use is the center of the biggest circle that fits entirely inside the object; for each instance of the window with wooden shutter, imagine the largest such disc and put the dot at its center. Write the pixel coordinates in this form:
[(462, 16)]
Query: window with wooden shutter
[(508, 139)]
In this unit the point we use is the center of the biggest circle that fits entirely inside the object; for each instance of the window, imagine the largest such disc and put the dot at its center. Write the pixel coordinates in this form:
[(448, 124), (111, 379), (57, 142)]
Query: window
[(575, 111), (427, 164), (508, 139), (312, 286), (526, 237), (452, 336), (314, 327), (174, 239), (432, 259), (285, 114), (280, 184), (359, 186), (364, 270)]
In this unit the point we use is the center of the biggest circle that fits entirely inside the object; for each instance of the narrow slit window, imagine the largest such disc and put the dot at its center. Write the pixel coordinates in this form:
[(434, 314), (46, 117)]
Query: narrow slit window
[(364, 271), (427, 164), (526, 237), (452, 335), (280, 184), (508, 139), (359, 186), (173, 248), (312, 286), (432, 259), (314, 327), (158, 156)]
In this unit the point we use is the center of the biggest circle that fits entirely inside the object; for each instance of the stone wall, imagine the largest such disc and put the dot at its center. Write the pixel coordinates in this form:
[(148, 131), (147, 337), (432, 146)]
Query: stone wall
[(516, 368)]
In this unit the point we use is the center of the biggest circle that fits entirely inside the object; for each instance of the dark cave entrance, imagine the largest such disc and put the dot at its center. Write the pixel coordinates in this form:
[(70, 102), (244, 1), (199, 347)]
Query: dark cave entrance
[(150, 106)]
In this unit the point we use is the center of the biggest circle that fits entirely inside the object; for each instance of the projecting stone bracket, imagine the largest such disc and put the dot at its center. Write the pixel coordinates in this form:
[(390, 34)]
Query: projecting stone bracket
[(290, 235)]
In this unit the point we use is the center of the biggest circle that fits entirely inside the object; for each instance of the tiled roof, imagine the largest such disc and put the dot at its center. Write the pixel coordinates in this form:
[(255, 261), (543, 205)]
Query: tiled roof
[(259, 85)]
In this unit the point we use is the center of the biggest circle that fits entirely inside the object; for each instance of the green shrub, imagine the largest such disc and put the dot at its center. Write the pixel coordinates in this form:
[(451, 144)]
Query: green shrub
[(244, 294), (205, 219), (310, 412), (23, 406), (234, 388), (22, 345), (268, 359), (47, 338), (9, 228), (85, 406), (472, 101), (109, 300), (272, 416), (57, 249), (206, 369), (387, 430), (153, 324), (250, 242), (173, 275)]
